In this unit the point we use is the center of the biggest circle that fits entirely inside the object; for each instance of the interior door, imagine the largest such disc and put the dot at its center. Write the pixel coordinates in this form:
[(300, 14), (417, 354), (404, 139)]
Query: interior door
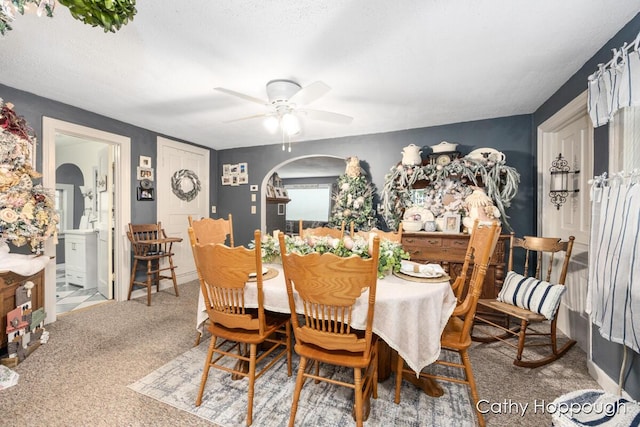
[(104, 190), (570, 135), (173, 212)]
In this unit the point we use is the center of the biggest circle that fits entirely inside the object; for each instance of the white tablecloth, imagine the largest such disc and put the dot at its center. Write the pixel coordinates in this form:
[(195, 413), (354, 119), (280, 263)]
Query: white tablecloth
[(409, 316)]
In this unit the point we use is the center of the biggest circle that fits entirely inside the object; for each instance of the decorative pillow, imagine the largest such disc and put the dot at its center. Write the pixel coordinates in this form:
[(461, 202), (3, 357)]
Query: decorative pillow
[(532, 294)]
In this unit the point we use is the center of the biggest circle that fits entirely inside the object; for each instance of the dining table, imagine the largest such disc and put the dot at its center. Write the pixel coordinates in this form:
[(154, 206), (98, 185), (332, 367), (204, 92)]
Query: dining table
[(409, 316)]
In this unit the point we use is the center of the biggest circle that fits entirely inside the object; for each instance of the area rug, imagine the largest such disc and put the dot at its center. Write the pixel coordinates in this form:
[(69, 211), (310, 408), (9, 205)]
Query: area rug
[(323, 404)]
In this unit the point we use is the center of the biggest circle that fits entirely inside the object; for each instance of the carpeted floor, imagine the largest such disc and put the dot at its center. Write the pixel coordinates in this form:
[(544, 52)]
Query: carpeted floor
[(81, 376)]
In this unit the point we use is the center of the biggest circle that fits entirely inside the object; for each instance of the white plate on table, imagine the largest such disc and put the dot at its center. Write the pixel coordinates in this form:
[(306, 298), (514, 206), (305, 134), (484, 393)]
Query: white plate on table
[(428, 271)]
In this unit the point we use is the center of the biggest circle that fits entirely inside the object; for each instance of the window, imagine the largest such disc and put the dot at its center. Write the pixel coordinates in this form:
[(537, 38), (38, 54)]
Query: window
[(309, 202)]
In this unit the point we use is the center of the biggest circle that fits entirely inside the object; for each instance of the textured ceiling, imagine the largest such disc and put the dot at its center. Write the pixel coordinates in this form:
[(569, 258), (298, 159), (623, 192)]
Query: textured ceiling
[(391, 65)]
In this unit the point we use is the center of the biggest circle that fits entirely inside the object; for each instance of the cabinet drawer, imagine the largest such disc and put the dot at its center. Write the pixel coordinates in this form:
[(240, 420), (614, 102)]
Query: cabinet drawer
[(75, 278), (423, 242)]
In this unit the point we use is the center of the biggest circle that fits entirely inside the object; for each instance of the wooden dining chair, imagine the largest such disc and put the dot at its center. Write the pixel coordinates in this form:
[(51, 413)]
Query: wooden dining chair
[(153, 255), (529, 296), (327, 287), (223, 273), (456, 336), (336, 233), (393, 236), (209, 230)]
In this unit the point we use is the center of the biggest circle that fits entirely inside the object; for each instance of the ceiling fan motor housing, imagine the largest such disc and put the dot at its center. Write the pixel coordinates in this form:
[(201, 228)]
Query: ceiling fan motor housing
[(281, 90)]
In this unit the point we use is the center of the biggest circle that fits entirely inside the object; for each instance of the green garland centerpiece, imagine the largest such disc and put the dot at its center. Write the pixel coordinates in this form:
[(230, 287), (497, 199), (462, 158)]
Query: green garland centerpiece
[(353, 199), (390, 258), (450, 181)]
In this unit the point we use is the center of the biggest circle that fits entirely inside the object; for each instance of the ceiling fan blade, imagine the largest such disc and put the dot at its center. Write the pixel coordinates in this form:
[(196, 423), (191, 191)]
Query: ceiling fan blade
[(310, 93), (255, 116), (327, 116), (242, 95)]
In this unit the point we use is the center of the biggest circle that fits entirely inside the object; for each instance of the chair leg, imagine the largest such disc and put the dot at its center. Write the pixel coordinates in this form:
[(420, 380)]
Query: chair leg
[(149, 282), (205, 372), (472, 385), (358, 406), (556, 352), (298, 389), (375, 372), (252, 380), (133, 277), (521, 338), (173, 276)]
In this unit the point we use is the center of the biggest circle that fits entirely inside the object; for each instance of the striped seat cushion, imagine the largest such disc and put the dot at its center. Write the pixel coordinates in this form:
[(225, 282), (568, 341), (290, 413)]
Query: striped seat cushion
[(532, 294)]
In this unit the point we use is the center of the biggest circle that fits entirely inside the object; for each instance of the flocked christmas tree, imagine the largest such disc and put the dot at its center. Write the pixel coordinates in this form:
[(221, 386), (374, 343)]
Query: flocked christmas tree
[(27, 211), (353, 199)]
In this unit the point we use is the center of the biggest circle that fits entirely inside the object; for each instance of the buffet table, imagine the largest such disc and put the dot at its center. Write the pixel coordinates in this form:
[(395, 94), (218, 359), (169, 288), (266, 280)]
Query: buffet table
[(409, 316)]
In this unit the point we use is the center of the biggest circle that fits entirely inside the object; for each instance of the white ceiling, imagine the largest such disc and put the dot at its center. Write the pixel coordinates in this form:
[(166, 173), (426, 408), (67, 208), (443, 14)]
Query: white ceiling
[(391, 65)]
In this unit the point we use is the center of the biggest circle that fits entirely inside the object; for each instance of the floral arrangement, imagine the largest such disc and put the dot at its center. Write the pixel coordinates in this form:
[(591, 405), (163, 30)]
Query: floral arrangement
[(390, 258), (27, 211), (447, 187)]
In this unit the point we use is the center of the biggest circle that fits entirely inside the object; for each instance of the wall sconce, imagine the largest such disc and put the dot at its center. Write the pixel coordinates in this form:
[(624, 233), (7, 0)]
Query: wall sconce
[(559, 190)]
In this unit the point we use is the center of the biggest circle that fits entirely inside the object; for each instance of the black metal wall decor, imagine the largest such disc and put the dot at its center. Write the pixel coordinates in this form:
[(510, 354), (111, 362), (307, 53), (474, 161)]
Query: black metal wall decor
[(560, 172)]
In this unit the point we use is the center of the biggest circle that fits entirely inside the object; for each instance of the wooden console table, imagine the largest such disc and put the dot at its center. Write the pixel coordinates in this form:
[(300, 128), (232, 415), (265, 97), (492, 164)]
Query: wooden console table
[(9, 281), (448, 249)]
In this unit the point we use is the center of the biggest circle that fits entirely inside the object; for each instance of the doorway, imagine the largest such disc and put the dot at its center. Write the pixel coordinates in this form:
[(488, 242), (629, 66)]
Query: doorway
[(303, 167), (103, 205), (84, 201), (569, 134)]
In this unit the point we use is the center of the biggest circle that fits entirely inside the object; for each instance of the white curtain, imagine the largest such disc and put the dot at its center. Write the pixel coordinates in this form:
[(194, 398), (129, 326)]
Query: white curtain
[(613, 298), (615, 85)]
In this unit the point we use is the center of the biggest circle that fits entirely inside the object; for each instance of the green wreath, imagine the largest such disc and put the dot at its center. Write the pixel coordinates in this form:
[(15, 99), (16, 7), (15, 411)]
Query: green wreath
[(176, 184)]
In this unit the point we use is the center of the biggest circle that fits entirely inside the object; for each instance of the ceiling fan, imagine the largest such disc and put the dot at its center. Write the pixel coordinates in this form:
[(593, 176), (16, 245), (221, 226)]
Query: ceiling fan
[(286, 99)]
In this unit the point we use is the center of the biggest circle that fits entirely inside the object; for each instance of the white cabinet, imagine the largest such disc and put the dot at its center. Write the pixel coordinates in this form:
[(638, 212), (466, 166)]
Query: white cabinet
[(80, 253)]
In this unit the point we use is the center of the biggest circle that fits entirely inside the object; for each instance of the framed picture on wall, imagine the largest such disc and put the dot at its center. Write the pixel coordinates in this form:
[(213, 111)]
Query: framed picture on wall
[(145, 194), (101, 183), (145, 162), (281, 208)]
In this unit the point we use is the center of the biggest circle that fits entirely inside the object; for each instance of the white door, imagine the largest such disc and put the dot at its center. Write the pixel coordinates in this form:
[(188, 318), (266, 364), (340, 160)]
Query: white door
[(104, 190), (570, 134), (173, 211)]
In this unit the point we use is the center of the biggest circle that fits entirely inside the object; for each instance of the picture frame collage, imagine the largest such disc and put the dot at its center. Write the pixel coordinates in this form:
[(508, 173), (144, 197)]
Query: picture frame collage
[(235, 174)]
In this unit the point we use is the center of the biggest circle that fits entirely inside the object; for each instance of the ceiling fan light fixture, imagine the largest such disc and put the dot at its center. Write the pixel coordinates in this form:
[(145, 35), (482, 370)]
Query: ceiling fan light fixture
[(271, 124), (290, 124)]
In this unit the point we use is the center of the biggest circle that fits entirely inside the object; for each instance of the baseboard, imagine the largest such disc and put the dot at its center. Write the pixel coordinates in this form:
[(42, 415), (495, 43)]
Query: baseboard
[(604, 380)]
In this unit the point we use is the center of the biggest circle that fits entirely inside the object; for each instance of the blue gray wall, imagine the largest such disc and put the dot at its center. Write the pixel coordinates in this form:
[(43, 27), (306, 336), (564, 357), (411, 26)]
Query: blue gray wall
[(607, 355), (143, 141), (379, 152)]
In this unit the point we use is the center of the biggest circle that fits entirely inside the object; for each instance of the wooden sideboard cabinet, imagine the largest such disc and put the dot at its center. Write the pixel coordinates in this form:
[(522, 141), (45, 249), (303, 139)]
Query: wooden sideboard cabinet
[(9, 281), (448, 250)]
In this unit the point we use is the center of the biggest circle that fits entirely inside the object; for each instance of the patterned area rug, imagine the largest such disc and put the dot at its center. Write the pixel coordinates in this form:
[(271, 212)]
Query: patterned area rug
[(322, 404)]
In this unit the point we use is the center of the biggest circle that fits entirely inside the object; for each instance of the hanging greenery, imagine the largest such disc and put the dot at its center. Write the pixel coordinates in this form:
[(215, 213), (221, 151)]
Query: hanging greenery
[(111, 15), (500, 183)]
